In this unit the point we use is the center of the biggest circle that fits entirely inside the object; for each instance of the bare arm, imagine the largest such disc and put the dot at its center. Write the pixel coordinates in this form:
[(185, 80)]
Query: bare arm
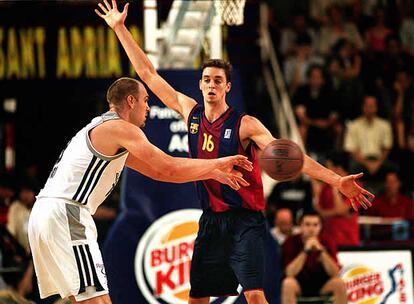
[(294, 267), (142, 65), (328, 263), (252, 129), (149, 160)]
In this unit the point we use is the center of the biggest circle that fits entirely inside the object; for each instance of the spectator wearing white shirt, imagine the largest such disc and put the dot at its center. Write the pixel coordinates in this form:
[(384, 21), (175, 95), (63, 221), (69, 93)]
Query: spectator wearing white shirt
[(369, 140)]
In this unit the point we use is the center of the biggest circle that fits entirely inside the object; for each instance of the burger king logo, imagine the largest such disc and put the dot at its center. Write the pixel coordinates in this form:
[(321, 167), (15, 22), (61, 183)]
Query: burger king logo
[(163, 258), (364, 285)]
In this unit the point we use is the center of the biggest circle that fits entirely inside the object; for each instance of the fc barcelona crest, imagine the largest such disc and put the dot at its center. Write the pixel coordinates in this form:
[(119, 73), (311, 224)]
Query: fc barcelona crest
[(194, 128)]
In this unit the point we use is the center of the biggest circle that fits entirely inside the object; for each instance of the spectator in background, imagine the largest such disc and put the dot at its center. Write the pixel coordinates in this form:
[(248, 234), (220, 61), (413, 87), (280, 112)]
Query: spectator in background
[(310, 264), (407, 32), (344, 66), (316, 112), (375, 36), (6, 195), (403, 106), (340, 221), (394, 60), (336, 29), (16, 258), (392, 203), (18, 219), (289, 35), (18, 215), (318, 9), (284, 225), (296, 66), (369, 140), (295, 195)]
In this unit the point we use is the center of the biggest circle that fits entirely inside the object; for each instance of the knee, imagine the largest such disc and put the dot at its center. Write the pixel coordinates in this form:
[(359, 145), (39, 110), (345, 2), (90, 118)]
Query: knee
[(289, 283), (255, 297), (338, 285)]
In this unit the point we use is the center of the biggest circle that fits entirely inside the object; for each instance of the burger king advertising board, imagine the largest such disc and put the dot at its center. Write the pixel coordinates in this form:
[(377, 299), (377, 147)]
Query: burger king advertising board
[(163, 258), (378, 277)]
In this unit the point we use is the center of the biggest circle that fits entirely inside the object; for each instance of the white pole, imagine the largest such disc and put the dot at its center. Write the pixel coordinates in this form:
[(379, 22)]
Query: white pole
[(216, 48), (150, 30)]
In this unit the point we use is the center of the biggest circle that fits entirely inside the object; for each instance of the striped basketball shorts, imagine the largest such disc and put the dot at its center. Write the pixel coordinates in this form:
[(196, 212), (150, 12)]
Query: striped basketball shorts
[(66, 256)]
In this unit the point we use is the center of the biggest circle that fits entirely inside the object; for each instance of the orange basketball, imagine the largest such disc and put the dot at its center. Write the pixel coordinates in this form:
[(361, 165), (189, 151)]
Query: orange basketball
[(282, 160)]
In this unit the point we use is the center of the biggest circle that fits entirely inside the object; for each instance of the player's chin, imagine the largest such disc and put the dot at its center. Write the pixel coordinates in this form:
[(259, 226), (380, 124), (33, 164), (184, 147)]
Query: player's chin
[(211, 99)]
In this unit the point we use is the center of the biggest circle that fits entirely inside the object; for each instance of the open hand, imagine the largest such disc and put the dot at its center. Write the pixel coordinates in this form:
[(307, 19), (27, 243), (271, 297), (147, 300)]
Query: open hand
[(227, 163), (356, 194), (111, 15), (226, 174), (234, 178)]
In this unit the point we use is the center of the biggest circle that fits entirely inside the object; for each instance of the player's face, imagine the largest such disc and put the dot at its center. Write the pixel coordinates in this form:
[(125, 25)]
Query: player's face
[(214, 85), (311, 226)]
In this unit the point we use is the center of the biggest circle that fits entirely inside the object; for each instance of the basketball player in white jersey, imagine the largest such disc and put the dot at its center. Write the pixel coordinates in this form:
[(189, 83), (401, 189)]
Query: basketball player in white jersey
[(62, 233)]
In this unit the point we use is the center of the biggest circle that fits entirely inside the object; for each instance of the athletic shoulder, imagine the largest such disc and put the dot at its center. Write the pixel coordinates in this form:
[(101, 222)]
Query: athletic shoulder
[(249, 125), (252, 129)]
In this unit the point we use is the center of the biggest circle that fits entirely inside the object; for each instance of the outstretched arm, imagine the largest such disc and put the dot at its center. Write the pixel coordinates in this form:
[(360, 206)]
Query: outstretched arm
[(151, 161), (252, 129), (142, 65)]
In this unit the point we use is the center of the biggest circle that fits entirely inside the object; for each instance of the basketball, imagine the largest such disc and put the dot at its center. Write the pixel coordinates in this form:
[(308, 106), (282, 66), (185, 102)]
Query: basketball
[(282, 160)]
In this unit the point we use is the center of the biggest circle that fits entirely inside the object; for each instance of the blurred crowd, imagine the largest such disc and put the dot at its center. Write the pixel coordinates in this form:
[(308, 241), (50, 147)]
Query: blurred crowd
[(348, 68)]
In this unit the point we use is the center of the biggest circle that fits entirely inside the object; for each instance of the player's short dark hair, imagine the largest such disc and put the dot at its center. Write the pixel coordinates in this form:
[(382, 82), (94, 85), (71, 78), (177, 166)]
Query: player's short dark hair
[(120, 89), (221, 64), (310, 212)]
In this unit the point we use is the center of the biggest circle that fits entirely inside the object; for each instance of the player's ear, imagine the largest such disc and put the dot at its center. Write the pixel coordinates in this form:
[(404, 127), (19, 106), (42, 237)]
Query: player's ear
[(199, 84), (228, 87), (130, 100)]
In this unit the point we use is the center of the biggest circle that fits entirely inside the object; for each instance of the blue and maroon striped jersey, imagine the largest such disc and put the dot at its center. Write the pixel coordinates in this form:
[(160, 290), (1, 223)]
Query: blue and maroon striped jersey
[(218, 139)]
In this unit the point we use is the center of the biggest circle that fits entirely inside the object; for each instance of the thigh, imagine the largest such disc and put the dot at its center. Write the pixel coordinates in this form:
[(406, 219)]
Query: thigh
[(211, 274), (66, 255), (247, 255)]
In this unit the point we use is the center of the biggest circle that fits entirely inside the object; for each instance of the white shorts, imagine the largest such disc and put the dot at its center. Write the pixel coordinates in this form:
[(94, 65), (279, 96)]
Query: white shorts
[(66, 256)]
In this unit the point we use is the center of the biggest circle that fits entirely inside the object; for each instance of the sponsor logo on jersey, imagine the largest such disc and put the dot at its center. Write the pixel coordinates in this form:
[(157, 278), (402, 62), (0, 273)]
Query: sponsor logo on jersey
[(366, 285), (194, 128), (227, 133), (163, 258)]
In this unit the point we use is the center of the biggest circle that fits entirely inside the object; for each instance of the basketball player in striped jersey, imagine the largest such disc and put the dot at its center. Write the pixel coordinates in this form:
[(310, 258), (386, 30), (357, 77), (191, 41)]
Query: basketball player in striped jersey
[(62, 233), (229, 249)]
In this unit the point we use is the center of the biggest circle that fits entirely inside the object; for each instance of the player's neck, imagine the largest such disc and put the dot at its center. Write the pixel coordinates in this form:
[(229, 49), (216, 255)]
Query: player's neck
[(214, 110)]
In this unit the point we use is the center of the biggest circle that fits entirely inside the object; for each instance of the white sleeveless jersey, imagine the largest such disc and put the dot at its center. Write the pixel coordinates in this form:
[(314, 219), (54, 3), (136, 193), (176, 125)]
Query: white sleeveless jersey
[(82, 174)]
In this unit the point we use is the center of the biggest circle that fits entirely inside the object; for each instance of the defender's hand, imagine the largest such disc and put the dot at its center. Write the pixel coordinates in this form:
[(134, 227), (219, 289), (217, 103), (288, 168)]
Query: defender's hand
[(227, 163), (234, 178)]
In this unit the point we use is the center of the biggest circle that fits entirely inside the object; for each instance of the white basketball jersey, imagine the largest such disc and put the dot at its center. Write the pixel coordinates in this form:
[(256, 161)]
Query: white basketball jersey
[(81, 173)]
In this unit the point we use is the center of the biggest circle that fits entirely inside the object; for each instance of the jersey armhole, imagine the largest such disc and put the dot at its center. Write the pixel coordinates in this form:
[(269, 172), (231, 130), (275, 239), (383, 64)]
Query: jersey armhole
[(96, 152), (196, 106), (248, 147)]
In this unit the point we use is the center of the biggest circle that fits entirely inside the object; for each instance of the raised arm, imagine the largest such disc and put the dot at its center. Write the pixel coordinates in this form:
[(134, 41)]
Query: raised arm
[(252, 129), (142, 65)]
